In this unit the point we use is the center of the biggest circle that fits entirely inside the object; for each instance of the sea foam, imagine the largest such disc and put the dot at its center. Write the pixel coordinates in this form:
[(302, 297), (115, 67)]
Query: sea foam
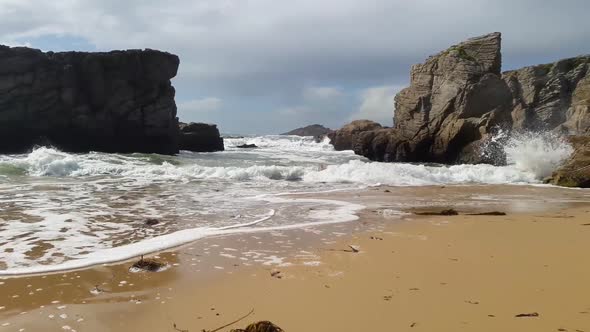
[(78, 210)]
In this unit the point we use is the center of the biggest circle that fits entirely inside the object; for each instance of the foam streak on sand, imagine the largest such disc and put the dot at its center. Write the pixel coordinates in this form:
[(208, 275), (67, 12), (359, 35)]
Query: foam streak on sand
[(343, 213)]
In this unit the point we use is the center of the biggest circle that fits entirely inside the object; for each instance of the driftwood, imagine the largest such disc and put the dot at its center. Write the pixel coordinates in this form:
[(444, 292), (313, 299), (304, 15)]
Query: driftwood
[(232, 323)]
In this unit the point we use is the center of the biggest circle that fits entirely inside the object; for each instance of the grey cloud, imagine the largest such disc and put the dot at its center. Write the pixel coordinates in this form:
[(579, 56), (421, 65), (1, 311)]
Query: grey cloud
[(271, 49)]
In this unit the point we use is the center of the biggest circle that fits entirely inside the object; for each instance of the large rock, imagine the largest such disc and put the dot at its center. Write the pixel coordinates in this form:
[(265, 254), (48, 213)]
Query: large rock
[(458, 99), (576, 171), (314, 130), (120, 101), (553, 96), (200, 137), (343, 138)]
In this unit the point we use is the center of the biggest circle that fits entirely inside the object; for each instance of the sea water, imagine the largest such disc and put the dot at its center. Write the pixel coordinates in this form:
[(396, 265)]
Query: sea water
[(62, 211)]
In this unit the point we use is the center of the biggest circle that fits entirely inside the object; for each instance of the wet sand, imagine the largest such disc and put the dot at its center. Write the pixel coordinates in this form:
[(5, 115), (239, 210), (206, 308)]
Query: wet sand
[(413, 273)]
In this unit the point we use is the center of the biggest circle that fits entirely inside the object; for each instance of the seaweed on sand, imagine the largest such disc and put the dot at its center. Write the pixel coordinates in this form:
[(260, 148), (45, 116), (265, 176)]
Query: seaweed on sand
[(263, 326), (149, 265)]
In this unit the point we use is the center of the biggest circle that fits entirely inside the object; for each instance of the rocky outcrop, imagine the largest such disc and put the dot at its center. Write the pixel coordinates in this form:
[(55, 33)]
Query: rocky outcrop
[(315, 130), (553, 96), (576, 171), (200, 137), (455, 98), (345, 137), (120, 101), (459, 98)]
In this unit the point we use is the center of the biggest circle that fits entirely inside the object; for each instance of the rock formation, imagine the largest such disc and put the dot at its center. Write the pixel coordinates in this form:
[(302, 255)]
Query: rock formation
[(576, 171), (120, 101), (314, 130), (200, 137), (553, 96), (344, 138), (458, 98)]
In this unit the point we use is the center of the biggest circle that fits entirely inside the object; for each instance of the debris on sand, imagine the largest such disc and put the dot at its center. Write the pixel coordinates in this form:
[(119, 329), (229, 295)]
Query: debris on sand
[(148, 265), (532, 314), (96, 290), (449, 212), (492, 213), (263, 326), (353, 249)]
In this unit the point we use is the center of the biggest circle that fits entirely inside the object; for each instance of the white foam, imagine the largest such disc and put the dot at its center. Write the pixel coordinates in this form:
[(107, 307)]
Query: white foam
[(531, 159), (538, 153), (345, 212), (397, 174), (77, 210), (281, 142)]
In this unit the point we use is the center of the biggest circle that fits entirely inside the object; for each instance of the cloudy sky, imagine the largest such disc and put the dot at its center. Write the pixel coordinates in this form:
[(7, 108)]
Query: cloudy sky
[(267, 66)]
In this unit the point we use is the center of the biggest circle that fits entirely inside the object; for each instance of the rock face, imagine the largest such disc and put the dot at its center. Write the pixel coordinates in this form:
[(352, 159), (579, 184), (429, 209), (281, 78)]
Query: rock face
[(315, 130), (553, 96), (459, 98), (120, 101), (344, 138), (576, 171), (200, 137)]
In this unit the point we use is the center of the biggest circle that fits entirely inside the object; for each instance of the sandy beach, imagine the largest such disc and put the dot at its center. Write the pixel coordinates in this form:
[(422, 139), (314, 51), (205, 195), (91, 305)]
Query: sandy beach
[(412, 273)]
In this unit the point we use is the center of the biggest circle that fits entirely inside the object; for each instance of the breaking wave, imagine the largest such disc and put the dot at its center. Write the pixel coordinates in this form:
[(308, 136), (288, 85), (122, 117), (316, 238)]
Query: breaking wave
[(537, 153)]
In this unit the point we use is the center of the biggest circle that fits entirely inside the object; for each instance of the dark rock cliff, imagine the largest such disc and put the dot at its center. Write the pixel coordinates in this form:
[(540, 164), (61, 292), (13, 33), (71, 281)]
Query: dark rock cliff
[(120, 101), (458, 98)]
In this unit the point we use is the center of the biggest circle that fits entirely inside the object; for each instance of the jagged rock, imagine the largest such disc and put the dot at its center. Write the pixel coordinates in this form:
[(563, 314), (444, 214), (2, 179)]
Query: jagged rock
[(458, 99), (576, 171), (455, 98), (120, 101), (553, 96), (343, 138), (200, 137), (314, 130)]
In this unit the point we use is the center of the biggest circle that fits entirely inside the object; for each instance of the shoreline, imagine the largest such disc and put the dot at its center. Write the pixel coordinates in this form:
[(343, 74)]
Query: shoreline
[(131, 296), (354, 210), (190, 236)]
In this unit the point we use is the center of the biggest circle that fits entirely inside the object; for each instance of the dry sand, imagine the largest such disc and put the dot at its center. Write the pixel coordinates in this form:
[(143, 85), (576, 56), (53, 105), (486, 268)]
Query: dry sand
[(436, 273)]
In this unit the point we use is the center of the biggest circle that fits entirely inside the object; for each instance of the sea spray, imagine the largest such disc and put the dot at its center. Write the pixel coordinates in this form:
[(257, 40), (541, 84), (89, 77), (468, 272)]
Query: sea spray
[(540, 153)]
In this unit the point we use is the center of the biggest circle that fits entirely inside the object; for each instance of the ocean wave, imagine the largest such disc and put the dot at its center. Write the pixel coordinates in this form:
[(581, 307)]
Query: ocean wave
[(530, 156), (537, 152), (398, 174), (282, 143), (46, 162)]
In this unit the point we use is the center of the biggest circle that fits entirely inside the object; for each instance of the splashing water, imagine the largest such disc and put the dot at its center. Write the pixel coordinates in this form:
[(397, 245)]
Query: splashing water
[(63, 210), (537, 152)]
